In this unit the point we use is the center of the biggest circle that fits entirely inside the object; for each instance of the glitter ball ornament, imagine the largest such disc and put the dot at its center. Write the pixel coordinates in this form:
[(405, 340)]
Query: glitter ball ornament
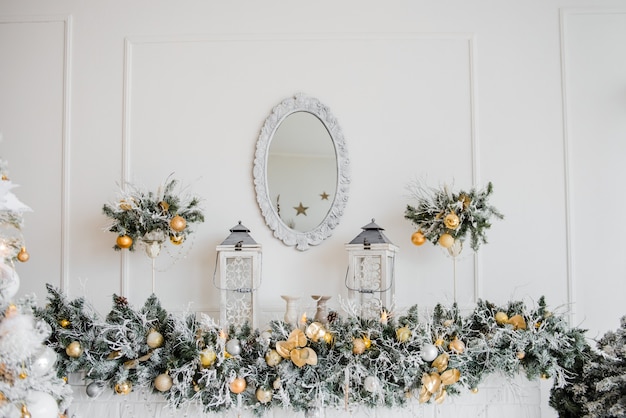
[(272, 358), (501, 318), (124, 241), (358, 346), (123, 388), (263, 395), (418, 238), (163, 382), (178, 223), (207, 357), (451, 221), (238, 385), (74, 349), (446, 240), (154, 339), (64, 323), (23, 255), (403, 334)]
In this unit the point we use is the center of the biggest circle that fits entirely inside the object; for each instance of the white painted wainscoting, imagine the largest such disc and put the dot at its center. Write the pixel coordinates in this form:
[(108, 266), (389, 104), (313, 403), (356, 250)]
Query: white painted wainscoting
[(497, 397)]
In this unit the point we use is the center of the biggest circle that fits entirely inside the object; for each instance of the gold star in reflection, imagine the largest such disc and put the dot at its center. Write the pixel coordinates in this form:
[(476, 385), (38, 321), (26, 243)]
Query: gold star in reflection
[(324, 196), (300, 209)]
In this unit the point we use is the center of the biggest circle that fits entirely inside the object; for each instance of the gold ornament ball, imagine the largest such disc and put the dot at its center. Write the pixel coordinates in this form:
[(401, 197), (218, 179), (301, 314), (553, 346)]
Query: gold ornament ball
[(521, 355), (124, 241), (154, 339), (24, 412), (178, 223), (64, 323), (238, 385), (207, 357), (358, 346), (501, 318), (446, 240), (474, 390), (74, 349), (176, 239), (23, 255), (418, 238), (163, 382), (451, 221), (403, 334), (123, 388), (263, 395), (272, 358)]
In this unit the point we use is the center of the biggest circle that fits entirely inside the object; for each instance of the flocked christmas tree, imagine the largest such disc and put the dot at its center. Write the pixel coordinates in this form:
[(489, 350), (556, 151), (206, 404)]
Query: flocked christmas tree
[(597, 387), (29, 386)]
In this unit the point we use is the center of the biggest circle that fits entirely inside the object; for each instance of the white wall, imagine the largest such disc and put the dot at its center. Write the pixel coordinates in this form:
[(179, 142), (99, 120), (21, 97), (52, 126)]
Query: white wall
[(529, 95)]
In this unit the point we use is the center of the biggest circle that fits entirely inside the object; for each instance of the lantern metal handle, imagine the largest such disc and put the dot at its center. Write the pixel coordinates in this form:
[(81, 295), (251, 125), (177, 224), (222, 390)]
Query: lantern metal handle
[(241, 289), (371, 291)]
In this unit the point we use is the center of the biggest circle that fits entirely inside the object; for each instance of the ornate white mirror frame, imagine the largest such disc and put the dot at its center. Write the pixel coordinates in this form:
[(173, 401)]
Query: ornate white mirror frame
[(302, 240)]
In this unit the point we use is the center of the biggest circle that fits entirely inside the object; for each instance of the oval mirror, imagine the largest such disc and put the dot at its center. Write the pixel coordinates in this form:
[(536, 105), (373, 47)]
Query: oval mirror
[(301, 172)]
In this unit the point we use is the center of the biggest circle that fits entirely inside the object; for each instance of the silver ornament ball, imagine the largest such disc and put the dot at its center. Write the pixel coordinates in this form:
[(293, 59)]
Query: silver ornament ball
[(233, 347), (429, 352), (94, 389)]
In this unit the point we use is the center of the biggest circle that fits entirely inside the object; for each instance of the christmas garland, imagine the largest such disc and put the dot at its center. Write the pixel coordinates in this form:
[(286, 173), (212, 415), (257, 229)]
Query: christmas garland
[(446, 218), (338, 363), (151, 217)]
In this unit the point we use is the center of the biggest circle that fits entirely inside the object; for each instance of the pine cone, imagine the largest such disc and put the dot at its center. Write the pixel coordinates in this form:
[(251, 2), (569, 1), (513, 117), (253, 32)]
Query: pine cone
[(121, 301), (332, 316)]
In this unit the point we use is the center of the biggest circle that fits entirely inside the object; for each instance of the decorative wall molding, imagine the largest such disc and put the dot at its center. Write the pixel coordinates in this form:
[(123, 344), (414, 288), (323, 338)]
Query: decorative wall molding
[(66, 20), (131, 43), (569, 187)]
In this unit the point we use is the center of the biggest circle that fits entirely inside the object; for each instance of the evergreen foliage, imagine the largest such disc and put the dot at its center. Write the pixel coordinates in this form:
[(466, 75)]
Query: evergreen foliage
[(147, 215), (434, 206), (359, 361), (597, 381)]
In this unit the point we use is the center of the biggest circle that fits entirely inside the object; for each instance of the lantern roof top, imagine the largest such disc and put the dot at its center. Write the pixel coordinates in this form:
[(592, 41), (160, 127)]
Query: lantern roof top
[(372, 234), (239, 236)]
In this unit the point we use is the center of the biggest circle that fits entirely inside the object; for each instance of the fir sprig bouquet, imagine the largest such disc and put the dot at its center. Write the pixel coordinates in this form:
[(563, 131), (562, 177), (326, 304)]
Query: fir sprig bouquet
[(343, 362), (447, 218), (145, 215)]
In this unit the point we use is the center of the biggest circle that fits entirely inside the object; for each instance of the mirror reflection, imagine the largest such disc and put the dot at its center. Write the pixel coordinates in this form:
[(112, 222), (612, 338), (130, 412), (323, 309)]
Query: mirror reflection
[(301, 171)]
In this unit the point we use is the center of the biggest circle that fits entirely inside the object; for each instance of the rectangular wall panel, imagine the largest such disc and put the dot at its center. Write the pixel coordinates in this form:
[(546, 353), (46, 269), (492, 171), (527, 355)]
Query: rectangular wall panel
[(32, 120), (193, 104), (595, 88)]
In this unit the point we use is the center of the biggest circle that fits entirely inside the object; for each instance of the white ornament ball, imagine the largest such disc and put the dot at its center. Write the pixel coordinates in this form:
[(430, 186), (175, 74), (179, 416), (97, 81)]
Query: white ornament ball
[(163, 382), (43, 361), (154, 339), (9, 283), (233, 347), (371, 384), (429, 352), (42, 405)]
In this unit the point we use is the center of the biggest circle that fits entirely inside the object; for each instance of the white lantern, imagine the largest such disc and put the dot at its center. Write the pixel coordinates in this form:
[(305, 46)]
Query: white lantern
[(239, 260), (370, 276)]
